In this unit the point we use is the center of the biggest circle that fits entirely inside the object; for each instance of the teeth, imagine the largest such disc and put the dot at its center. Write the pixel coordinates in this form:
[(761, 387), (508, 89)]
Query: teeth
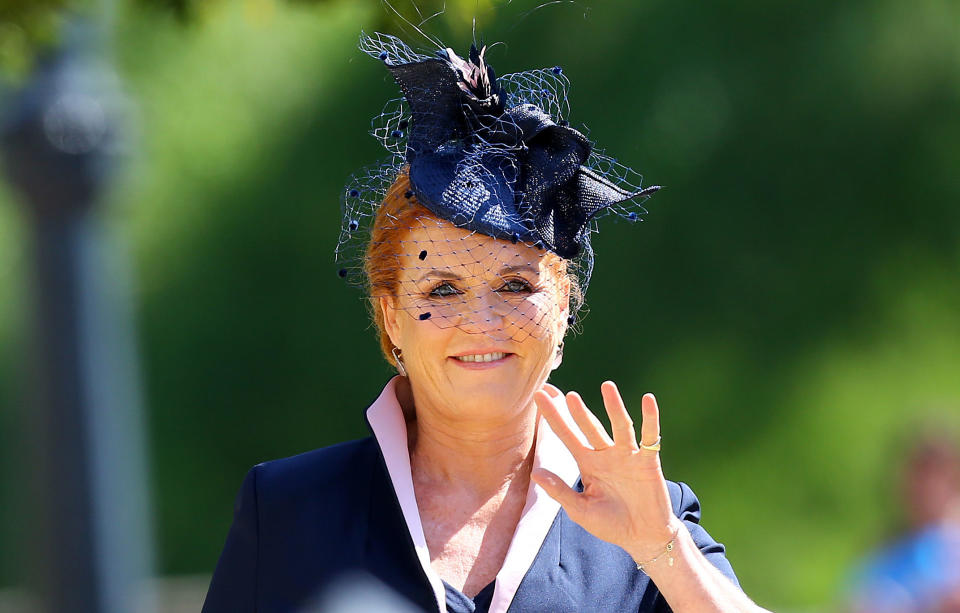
[(482, 357)]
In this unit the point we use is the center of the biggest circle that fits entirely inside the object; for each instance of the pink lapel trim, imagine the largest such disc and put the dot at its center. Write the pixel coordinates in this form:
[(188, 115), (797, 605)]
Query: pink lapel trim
[(390, 429)]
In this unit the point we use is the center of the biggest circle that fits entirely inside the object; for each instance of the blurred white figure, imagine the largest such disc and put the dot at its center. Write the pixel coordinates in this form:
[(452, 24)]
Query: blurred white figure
[(360, 593)]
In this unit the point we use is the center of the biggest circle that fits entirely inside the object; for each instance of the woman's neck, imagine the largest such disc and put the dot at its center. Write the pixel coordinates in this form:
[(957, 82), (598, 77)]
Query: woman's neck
[(482, 456), (482, 461)]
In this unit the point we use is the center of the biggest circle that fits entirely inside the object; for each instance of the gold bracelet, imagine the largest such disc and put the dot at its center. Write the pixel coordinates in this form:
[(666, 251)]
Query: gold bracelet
[(667, 551)]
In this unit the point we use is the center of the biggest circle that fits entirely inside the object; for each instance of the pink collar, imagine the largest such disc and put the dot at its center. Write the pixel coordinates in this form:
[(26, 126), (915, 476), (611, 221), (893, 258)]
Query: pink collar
[(390, 429)]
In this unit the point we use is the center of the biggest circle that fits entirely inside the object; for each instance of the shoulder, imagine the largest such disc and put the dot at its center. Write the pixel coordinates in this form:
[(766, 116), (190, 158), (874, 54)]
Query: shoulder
[(686, 506), (685, 503), (298, 522), (315, 471)]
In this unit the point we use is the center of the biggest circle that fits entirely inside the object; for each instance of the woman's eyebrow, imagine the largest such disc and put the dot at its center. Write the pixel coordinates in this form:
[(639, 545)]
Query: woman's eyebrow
[(439, 273), (442, 273), (529, 268)]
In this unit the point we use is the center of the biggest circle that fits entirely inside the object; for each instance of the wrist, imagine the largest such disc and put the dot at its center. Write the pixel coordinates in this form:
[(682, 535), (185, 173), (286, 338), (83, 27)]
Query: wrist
[(658, 549)]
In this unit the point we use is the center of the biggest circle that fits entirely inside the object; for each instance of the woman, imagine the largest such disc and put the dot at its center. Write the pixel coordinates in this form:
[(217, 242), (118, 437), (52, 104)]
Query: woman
[(483, 487)]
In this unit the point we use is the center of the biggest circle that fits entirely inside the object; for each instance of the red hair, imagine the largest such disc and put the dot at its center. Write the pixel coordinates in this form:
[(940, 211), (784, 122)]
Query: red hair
[(396, 215)]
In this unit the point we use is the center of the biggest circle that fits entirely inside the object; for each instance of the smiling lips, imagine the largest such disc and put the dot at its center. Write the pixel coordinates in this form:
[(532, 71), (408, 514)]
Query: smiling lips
[(482, 361), (482, 357)]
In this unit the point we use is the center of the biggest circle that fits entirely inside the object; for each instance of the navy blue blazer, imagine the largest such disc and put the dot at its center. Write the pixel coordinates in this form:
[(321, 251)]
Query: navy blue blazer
[(300, 523)]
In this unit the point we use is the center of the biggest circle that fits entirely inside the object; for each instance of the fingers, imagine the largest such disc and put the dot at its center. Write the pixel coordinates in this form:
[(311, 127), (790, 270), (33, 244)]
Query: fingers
[(560, 426), (596, 436), (551, 390), (588, 422), (620, 421), (568, 498), (650, 427)]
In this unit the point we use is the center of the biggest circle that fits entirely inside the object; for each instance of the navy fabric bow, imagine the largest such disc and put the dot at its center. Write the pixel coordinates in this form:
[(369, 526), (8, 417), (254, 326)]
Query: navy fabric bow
[(510, 173)]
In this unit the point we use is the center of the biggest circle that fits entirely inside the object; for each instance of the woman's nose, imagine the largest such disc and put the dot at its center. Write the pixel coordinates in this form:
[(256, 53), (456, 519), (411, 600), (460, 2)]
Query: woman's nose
[(486, 313)]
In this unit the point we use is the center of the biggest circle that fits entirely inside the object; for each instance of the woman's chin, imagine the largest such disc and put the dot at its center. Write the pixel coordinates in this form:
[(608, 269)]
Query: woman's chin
[(490, 407), (475, 395)]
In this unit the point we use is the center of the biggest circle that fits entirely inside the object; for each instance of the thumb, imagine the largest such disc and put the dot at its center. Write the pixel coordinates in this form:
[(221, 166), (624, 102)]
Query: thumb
[(555, 487)]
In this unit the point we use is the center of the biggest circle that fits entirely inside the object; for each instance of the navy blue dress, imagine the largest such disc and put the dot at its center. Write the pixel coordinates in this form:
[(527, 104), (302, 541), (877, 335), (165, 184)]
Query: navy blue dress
[(300, 523)]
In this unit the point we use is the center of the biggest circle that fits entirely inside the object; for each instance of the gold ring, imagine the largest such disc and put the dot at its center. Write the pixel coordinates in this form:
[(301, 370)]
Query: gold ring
[(654, 447)]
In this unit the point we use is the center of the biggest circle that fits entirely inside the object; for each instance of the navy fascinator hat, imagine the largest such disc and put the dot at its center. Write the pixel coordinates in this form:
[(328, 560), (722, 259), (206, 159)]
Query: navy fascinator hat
[(492, 155)]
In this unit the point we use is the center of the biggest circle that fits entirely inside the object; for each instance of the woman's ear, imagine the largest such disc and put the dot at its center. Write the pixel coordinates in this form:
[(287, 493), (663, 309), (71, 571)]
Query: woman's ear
[(385, 304), (562, 320), (564, 306)]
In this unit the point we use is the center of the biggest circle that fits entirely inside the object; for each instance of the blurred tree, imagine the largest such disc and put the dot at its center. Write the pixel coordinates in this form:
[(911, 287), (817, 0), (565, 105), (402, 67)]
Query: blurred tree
[(26, 27), (403, 14)]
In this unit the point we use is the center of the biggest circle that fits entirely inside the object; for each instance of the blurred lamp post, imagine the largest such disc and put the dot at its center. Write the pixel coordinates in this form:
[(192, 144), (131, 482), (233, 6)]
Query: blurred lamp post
[(90, 534)]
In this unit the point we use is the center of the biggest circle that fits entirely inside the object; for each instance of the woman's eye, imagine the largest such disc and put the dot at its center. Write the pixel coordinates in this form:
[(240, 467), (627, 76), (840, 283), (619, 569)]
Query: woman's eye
[(443, 290), (516, 286)]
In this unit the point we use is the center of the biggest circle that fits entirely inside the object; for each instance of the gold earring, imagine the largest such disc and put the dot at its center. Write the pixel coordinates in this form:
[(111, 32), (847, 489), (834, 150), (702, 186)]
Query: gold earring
[(558, 358), (401, 369)]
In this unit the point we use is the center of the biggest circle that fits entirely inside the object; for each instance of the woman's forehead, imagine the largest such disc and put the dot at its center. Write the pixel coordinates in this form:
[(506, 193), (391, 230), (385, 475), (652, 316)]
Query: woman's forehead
[(437, 244)]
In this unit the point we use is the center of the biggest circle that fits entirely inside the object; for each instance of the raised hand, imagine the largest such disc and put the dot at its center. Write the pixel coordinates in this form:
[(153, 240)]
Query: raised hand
[(625, 499)]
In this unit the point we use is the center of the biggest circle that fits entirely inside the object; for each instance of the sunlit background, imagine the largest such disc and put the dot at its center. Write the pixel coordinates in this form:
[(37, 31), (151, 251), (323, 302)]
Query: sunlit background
[(793, 297)]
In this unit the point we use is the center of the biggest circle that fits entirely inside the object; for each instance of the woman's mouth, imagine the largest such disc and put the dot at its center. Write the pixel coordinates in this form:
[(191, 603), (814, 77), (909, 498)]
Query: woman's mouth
[(482, 360), (481, 357)]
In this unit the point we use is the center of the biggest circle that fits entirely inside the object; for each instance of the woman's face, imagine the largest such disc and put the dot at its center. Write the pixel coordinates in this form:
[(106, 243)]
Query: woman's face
[(477, 319)]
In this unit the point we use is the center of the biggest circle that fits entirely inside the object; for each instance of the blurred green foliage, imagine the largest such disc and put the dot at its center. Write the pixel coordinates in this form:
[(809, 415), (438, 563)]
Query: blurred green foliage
[(452, 12), (27, 27), (792, 297)]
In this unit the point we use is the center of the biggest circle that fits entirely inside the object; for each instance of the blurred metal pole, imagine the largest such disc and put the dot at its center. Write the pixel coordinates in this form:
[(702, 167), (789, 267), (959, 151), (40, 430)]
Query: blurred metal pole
[(90, 512)]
